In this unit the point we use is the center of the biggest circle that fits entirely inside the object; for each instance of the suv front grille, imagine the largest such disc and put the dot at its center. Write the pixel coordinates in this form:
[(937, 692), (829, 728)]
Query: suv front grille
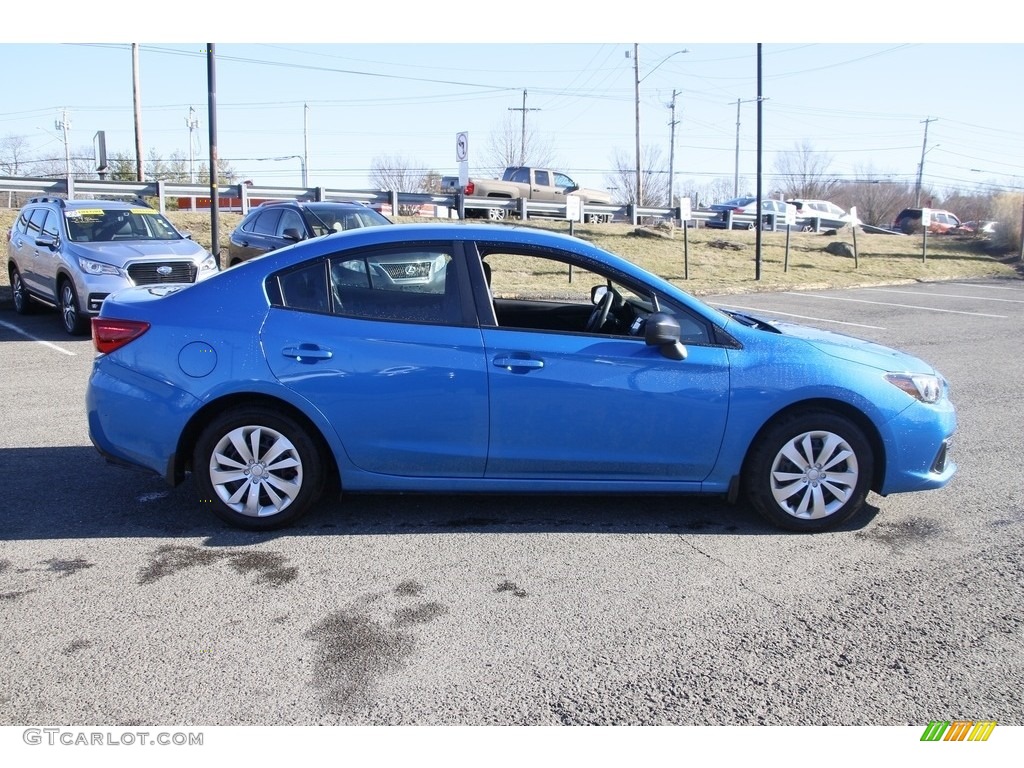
[(154, 272), (410, 270)]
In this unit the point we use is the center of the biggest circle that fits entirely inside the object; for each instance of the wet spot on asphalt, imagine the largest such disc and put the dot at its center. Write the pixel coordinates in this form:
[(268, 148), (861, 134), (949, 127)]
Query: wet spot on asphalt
[(67, 567), (408, 588), (352, 651), (419, 614), (268, 567), (76, 645), (902, 533), (508, 586)]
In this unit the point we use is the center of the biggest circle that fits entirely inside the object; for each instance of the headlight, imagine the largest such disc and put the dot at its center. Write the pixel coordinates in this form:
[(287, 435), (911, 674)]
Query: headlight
[(209, 264), (921, 386), (91, 267)]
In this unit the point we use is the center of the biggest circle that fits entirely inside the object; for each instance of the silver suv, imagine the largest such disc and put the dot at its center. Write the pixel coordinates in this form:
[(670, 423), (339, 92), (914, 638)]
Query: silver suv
[(73, 253)]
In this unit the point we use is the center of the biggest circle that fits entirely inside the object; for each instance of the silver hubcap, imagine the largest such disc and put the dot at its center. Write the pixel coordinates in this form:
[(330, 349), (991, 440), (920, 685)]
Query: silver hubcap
[(256, 471), (814, 475), (67, 306)]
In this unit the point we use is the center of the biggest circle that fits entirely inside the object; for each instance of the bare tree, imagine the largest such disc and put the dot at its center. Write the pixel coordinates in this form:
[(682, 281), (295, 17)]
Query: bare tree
[(399, 174), (653, 178), (877, 196), (803, 172), (13, 154), (509, 146)]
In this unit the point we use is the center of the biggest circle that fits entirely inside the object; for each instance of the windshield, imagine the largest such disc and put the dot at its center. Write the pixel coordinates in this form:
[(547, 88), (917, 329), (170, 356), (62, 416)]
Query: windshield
[(327, 219), (99, 225)]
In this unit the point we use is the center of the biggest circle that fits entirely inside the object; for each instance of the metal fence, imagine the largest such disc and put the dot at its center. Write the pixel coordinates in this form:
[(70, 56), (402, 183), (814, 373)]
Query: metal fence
[(241, 197)]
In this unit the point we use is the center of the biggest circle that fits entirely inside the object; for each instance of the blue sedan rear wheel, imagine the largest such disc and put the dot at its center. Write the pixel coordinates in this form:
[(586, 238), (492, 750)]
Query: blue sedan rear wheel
[(810, 471), (260, 470)]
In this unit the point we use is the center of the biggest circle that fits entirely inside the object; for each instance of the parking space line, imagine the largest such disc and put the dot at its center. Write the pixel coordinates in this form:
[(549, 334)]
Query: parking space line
[(947, 295), (891, 304), (801, 317), (989, 286), (29, 336)]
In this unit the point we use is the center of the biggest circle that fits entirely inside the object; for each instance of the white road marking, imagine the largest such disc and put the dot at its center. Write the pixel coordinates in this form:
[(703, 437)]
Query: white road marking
[(28, 335), (947, 295), (890, 304)]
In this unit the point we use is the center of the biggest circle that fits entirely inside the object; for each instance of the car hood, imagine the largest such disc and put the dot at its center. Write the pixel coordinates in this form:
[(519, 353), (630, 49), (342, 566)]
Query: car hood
[(121, 253), (856, 350)]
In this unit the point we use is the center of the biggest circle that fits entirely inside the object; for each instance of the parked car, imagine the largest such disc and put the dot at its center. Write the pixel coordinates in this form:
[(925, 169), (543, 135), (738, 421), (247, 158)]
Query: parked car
[(73, 253), (414, 358), (276, 224), (977, 227), (819, 214), (746, 206), (942, 222)]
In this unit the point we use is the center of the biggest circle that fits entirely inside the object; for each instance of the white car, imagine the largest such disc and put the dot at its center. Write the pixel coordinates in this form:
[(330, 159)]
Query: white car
[(817, 215)]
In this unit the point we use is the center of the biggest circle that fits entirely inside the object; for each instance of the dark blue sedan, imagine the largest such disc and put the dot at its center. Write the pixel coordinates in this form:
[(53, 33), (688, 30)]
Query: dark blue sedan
[(477, 358)]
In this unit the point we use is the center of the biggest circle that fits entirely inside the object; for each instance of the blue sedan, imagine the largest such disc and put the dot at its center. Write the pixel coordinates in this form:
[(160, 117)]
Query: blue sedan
[(483, 358)]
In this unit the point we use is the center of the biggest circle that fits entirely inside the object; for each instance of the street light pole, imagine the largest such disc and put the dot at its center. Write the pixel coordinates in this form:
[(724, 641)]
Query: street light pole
[(636, 93)]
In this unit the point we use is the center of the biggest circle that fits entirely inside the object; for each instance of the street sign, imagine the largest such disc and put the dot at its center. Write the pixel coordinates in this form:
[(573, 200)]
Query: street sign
[(573, 208), (926, 217), (462, 146), (790, 214), (685, 209)]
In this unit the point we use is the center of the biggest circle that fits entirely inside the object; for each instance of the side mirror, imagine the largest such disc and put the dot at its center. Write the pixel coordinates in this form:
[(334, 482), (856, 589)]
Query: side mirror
[(47, 241), (292, 234), (597, 293), (662, 331)]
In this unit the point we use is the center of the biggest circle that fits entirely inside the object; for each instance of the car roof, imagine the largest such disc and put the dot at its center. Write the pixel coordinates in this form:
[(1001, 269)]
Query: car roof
[(78, 203), (347, 204)]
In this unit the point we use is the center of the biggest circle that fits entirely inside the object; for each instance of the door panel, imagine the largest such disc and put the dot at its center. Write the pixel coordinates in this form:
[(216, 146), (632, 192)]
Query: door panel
[(583, 407), (404, 398)]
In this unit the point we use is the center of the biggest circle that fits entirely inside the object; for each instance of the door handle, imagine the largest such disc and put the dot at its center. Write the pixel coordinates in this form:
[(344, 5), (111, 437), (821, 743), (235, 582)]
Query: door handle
[(307, 353), (518, 362)]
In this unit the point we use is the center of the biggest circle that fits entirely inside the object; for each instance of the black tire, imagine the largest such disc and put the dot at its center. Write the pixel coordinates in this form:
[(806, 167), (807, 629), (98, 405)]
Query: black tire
[(809, 471), (23, 303), (496, 214), (75, 322), (242, 487)]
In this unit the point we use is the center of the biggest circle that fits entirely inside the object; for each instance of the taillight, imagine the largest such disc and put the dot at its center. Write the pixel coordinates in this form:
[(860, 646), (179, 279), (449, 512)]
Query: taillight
[(109, 334), (470, 188)]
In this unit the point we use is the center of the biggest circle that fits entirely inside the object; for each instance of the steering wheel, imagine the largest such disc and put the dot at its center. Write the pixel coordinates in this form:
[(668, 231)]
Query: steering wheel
[(599, 316)]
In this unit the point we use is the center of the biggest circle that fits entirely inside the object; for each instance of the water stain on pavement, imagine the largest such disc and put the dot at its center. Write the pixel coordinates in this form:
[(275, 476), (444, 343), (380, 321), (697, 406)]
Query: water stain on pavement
[(67, 567), (509, 586), (268, 567), (902, 533), (354, 649)]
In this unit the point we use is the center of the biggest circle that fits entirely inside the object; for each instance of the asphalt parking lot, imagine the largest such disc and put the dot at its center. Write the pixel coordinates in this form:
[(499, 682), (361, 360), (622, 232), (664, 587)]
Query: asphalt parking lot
[(126, 603)]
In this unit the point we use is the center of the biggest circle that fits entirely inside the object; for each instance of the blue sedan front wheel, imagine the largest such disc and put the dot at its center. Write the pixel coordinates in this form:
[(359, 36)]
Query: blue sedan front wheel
[(810, 471), (259, 470)]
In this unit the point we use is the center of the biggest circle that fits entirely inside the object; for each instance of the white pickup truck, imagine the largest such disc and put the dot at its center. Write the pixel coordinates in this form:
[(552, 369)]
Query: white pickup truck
[(537, 184)]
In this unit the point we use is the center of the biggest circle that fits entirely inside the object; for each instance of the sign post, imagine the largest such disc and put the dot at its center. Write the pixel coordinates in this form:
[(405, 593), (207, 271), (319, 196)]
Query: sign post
[(685, 215)]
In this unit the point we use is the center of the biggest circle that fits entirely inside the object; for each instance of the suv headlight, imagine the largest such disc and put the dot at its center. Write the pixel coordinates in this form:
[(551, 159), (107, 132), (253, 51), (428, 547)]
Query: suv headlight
[(209, 264), (91, 267), (925, 387)]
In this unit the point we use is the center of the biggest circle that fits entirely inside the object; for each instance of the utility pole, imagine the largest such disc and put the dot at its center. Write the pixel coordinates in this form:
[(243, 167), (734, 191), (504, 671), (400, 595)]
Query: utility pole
[(920, 167), (305, 145), (140, 174), (64, 124), (192, 122), (736, 171), (636, 88), (524, 110), (672, 151)]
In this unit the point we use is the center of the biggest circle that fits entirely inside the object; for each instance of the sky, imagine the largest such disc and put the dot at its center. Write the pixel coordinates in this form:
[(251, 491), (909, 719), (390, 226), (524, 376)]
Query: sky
[(859, 86)]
